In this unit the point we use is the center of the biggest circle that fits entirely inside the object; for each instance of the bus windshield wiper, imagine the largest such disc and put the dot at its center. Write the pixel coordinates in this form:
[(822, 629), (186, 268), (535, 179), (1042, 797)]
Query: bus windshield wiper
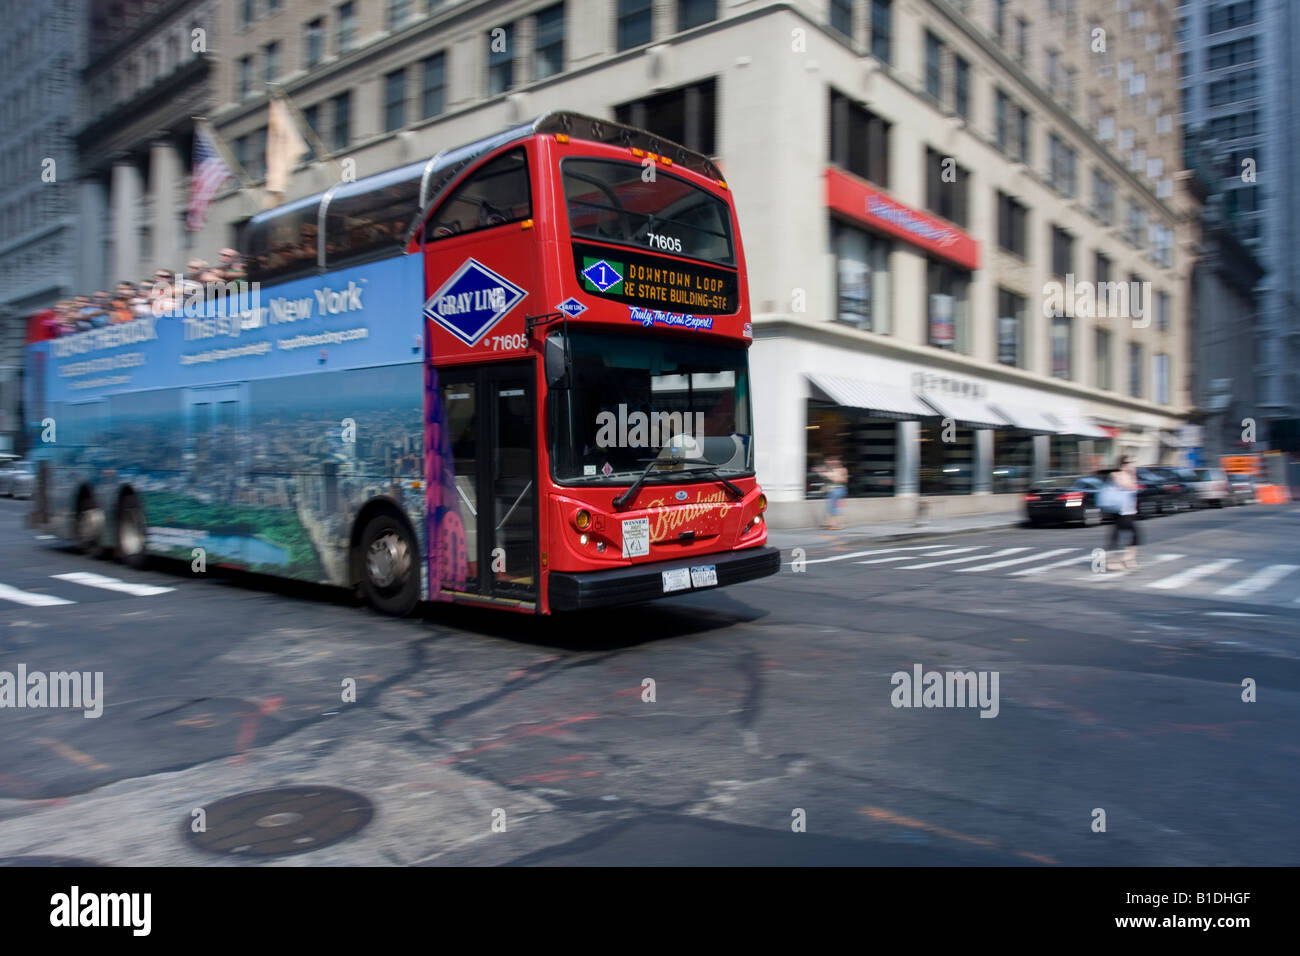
[(627, 496), (713, 473)]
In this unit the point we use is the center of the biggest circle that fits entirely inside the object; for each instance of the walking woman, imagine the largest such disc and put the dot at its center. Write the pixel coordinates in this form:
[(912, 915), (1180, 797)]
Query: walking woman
[(1125, 495), (837, 480)]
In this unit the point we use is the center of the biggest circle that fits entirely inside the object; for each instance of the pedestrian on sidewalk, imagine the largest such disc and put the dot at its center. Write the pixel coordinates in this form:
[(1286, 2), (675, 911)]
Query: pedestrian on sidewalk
[(837, 486), (1121, 492)]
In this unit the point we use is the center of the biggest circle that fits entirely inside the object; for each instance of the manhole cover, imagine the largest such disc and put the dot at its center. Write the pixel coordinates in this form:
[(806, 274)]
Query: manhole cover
[(45, 861), (281, 821)]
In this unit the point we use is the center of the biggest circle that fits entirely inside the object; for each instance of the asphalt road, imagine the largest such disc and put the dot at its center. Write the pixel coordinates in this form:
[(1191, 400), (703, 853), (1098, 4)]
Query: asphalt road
[(1119, 692)]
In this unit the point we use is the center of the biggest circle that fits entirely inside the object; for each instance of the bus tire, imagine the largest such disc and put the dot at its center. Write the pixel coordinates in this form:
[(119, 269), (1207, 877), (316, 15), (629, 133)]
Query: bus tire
[(390, 566), (89, 526), (130, 548)]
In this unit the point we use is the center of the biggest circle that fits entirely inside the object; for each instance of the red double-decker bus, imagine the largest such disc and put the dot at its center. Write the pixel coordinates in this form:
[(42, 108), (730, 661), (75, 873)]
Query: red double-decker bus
[(515, 375)]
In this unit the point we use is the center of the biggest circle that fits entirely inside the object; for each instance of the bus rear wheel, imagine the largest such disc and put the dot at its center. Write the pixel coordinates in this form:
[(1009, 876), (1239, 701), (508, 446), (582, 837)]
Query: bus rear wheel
[(89, 527), (389, 562), (131, 533)]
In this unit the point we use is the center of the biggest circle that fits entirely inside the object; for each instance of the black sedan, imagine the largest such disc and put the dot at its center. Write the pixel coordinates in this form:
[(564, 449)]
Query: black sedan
[(1065, 499), (1178, 493)]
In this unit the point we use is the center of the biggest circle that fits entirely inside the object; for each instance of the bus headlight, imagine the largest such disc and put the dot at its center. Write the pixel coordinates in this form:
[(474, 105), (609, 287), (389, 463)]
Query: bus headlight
[(762, 503)]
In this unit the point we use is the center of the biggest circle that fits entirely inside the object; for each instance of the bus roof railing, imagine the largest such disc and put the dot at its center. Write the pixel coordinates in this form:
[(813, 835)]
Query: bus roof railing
[(369, 218)]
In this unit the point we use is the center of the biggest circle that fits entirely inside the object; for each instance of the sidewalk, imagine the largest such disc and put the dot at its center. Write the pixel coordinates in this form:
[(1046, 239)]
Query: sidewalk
[(893, 530)]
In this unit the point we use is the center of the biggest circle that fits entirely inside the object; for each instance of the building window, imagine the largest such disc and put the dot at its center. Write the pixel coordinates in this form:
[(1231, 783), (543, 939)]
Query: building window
[(1229, 16), (1101, 359), (1000, 19), (694, 13), (1023, 142), (501, 59), (314, 43), (933, 66), (1137, 224), (347, 35), (548, 54), (859, 140), (1062, 331), (882, 29), (947, 305), (1160, 377), (342, 109), (1011, 225), (433, 91), (1011, 328), (247, 13), (961, 87), (394, 100), (635, 23), (862, 278), (842, 17), (1022, 41), (1101, 265), (1103, 197), (687, 115), (1135, 369), (270, 63), (1162, 311), (946, 187), (1062, 162), (1001, 119), (245, 77), (399, 14), (1062, 252), (311, 116)]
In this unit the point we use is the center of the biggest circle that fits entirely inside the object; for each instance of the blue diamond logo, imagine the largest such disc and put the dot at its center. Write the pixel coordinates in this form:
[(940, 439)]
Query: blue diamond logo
[(602, 275), (472, 301), (571, 307)]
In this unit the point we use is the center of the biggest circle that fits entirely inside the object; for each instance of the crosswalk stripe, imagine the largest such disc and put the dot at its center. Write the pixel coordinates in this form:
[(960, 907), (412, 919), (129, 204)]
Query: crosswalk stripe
[(1194, 573), (1010, 561), (1258, 581), (1038, 569), (111, 584), (30, 598), (973, 557), (862, 554), (909, 557)]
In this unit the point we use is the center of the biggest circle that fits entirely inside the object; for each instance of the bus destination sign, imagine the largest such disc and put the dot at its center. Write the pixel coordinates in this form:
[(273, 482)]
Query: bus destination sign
[(669, 284)]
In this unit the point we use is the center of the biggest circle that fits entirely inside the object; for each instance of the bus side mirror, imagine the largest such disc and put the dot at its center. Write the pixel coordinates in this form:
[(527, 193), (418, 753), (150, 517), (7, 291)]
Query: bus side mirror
[(558, 364)]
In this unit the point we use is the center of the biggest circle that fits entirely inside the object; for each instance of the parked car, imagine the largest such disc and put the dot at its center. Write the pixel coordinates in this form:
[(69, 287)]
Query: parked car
[(1065, 499), (1210, 486), (1176, 496), (1243, 488), (21, 480), (7, 466)]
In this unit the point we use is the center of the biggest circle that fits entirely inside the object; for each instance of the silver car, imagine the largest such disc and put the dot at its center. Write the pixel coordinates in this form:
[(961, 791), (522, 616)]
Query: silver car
[(21, 479), (1210, 486)]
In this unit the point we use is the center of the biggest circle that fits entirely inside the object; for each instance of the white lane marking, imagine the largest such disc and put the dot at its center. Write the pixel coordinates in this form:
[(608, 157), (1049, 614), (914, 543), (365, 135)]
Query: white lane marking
[(1257, 581), (861, 554), (909, 557), (45, 537), (111, 584), (1194, 573), (1077, 559), (29, 598), (973, 557), (1011, 561)]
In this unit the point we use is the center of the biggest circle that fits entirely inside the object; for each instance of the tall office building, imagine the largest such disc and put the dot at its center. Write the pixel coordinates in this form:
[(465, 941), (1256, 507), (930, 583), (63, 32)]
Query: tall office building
[(1240, 90)]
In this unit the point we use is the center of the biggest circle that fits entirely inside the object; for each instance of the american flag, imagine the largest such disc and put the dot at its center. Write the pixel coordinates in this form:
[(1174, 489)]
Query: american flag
[(210, 173)]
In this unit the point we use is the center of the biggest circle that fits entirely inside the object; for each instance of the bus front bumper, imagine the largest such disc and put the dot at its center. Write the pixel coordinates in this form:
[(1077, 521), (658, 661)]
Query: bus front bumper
[(579, 590)]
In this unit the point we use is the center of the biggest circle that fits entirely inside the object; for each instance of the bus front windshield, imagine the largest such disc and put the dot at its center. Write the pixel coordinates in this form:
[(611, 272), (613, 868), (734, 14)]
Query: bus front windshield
[(633, 398)]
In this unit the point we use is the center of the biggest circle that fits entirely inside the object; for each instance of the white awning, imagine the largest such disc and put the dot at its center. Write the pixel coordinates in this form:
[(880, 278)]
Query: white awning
[(1075, 424), (967, 412), (1028, 419), (885, 401)]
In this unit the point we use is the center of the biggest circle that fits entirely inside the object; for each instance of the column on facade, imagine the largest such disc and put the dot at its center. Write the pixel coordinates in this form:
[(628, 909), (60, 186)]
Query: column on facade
[(907, 455), (982, 462), (93, 269), (1042, 456), (125, 196), (165, 174)]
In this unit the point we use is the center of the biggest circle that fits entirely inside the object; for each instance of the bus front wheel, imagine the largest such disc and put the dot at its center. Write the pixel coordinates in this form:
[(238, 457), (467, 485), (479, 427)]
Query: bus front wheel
[(131, 533), (89, 527), (389, 566)]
